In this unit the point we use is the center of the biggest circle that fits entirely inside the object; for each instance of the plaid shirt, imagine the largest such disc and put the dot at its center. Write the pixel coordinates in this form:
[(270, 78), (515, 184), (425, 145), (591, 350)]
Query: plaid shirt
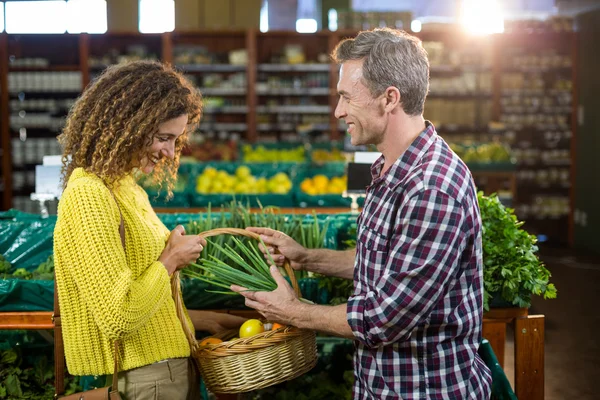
[(416, 310)]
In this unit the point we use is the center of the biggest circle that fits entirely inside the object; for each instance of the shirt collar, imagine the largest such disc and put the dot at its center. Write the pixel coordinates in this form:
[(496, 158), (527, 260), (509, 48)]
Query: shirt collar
[(408, 160)]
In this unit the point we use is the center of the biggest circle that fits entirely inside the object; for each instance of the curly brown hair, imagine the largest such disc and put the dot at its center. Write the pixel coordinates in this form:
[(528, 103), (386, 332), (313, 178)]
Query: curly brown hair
[(112, 125)]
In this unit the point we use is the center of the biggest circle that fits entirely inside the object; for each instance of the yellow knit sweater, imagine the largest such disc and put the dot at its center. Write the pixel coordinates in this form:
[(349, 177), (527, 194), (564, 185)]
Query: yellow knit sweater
[(105, 292)]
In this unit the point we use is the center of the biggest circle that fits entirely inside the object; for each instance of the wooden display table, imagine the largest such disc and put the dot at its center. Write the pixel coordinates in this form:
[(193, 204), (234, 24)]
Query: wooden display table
[(528, 339)]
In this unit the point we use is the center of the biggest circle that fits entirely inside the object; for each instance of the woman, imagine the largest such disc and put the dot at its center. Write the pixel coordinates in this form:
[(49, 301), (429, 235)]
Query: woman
[(134, 119)]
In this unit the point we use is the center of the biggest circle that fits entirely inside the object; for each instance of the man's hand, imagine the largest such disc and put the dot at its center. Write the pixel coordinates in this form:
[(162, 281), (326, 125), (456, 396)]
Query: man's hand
[(280, 245), (280, 305)]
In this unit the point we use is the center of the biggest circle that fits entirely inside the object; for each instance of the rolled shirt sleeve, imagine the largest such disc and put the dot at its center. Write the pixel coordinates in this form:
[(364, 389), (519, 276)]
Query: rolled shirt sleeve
[(424, 251)]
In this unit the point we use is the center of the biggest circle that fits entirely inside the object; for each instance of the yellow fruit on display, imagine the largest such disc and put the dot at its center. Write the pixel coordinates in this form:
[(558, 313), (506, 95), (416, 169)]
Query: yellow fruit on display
[(210, 172), (306, 185), (262, 154), (242, 172), (213, 181), (251, 327), (320, 184), (320, 155)]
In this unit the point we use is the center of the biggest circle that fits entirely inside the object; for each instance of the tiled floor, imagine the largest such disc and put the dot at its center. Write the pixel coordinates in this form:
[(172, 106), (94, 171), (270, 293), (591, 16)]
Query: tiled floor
[(572, 348)]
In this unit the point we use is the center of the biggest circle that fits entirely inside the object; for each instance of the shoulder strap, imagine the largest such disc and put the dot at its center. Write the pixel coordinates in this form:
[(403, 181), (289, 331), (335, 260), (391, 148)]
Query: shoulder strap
[(59, 350)]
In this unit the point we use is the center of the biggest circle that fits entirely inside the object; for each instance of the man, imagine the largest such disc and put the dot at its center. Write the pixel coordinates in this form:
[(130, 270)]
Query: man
[(416, 310)]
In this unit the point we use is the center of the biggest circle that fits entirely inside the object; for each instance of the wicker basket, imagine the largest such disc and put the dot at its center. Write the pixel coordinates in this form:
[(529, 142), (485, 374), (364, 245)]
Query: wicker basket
[(252, 363)]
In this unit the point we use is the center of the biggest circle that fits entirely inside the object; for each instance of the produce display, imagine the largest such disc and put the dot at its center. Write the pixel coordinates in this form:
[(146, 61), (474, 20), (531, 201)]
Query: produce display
[(213, 181), (261, 154), (482, 152), (323, 155), (321, 184)]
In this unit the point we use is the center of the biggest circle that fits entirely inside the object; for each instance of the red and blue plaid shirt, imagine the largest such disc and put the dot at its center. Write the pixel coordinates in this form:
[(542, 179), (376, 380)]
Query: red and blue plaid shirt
[(416, 310)]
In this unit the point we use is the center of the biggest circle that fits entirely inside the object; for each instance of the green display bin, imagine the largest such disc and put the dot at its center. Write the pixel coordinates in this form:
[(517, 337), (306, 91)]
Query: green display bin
[(501, 389)]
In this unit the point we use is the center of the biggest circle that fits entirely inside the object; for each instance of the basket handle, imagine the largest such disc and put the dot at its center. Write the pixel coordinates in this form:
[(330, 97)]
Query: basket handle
[(176, 281)]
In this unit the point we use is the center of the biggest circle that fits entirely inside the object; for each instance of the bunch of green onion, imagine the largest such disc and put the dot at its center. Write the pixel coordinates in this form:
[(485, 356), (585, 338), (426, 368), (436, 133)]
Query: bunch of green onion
[(246, 267)]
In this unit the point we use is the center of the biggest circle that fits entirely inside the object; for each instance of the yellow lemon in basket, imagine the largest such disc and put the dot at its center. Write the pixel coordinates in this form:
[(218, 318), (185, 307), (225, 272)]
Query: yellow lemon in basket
[(251, 327), (210, 340)]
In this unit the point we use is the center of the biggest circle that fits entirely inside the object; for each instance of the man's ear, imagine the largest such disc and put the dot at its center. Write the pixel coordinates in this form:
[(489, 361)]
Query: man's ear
[(391, 98)]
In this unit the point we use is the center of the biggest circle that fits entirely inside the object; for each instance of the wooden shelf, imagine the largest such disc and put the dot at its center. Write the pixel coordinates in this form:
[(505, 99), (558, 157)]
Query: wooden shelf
[(293, 67), (223, 91), (49, 68), (211, 68), (294, 92)]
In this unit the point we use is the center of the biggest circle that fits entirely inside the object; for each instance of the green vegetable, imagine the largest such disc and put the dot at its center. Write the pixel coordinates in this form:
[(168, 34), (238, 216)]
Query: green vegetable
[(26, 368), (4, 265), (252, 270), (512, 270), (22, 273)]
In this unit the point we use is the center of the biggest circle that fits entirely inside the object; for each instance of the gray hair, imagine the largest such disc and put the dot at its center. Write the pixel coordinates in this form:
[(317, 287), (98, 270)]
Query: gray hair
[(391, 58)]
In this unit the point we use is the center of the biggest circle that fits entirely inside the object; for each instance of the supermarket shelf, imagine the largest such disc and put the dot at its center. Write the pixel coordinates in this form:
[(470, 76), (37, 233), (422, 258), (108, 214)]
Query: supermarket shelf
[(537, 110), (536, 69), (544, 163), (211, 67), (294, 92), (276, 127), (458, 69), (36, 132), (222, 126), (460, 96), (226, 110), (294, 67), (222, 91), (48, 68), (292, 127), (534, 92), (293, 109), (44, 94)]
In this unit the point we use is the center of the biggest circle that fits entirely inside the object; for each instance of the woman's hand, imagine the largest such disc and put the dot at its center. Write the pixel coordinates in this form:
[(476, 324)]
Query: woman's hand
[(214, 322), (181, 249)]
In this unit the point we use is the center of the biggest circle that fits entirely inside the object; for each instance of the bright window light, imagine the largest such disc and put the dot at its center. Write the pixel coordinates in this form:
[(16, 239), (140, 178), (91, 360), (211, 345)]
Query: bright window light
[(415, 25), (86, 16), (264, 16), (332, 20), (1, 17), (36, 16), (482, 16), (156, 16), (306, 25)]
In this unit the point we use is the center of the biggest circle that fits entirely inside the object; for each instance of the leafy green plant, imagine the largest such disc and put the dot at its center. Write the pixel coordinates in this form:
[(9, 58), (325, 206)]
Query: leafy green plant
[(44, 271), (18, 381), (4, 265), (26, 368), (512, 269)]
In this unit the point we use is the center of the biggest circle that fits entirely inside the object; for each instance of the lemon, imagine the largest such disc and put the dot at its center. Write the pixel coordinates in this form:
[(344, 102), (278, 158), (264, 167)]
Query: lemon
[(210, 172), (251, 327), (242, 172)]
